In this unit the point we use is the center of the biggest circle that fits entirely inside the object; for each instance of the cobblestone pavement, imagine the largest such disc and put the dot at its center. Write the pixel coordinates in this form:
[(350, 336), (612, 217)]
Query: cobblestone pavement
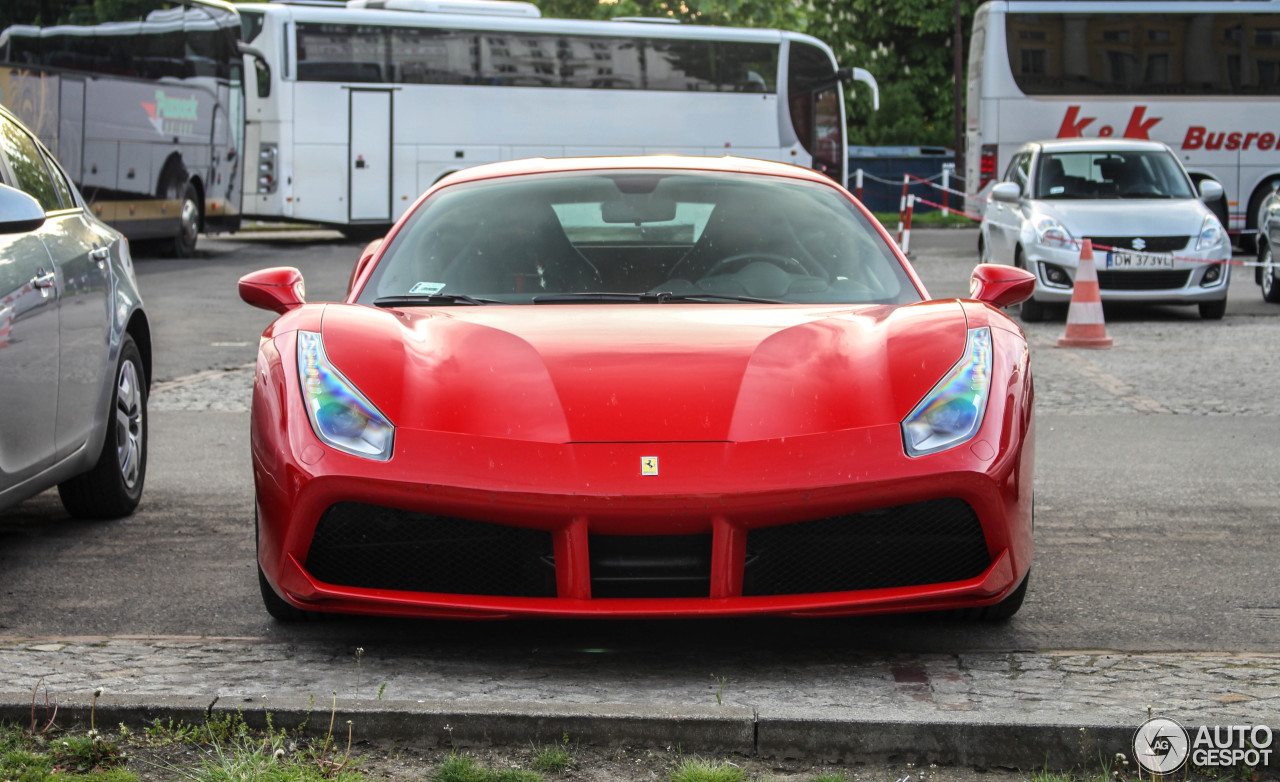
[(1097, 688)]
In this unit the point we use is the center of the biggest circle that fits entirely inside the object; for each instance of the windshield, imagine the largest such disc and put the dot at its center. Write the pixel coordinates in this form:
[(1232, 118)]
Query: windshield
[(1100, 174), (696, 235)]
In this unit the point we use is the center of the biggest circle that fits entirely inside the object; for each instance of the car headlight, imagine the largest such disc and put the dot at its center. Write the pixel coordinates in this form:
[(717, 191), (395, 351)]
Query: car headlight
[(1051, 233), (340, 415), (1210, 233), (952, 411)]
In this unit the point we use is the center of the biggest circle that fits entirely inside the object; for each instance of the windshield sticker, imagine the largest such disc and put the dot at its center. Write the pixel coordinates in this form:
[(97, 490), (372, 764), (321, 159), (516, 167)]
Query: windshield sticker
[(429, 288)]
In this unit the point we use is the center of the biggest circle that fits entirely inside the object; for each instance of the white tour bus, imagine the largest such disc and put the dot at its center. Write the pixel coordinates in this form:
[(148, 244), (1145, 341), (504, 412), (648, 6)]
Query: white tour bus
[(368, 103), (1199, 75)]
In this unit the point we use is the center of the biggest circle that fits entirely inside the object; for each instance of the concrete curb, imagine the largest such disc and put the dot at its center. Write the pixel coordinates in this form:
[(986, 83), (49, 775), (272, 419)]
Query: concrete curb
[(725, 729)]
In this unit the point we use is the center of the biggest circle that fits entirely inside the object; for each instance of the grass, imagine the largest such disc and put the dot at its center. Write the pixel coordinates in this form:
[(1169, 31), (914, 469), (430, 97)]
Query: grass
[(701, 770), (461, 768), (934, 218), (553, 759)]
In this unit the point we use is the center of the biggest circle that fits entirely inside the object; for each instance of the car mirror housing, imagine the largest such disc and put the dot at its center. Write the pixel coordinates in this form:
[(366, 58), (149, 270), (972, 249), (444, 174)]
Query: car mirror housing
[(1001, 286), (366, 255), (278, 289), (19, 212), (1009, 192), (1210, 190)]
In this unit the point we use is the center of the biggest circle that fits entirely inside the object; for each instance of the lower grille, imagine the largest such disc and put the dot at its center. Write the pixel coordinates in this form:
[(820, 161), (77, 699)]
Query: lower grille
[(929, 542), (650, 565), (372, 547), (1142, 280), (1150, 244)]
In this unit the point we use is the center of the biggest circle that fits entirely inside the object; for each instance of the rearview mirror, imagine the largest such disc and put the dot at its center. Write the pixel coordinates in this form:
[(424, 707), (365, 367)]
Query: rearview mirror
[(649, 210), (19, 212), (1210, 190), (366, 255), (278, 289), (1008, 192), (1001, 286)]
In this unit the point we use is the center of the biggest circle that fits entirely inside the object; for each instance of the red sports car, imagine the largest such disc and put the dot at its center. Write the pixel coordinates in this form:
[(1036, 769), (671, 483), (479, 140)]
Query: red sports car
[(646, 387)]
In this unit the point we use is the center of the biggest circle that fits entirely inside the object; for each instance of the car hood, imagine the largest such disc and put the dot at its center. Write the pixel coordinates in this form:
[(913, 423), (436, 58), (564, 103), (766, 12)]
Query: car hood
[(645, 372), (1127, 217)]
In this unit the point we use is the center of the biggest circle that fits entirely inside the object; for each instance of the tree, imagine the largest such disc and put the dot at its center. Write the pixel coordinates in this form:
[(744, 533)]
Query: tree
[(907, 46)]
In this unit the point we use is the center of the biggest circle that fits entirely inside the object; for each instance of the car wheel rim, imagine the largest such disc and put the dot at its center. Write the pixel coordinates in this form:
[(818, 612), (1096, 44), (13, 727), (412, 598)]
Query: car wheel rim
[(190, 219), (129, 424), (1268, 272)]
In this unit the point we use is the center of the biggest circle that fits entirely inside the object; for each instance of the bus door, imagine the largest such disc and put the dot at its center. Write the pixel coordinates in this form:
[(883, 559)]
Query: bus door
[(369, 155), (70, 148)]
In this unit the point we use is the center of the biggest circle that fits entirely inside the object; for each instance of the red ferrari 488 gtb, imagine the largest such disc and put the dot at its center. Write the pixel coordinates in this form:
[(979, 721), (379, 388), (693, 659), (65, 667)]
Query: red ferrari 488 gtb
[(646, 387)]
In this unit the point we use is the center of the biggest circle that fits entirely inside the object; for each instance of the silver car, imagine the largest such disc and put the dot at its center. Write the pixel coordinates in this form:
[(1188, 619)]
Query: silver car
[(1155, 240), (75, 347), (1267, 274)]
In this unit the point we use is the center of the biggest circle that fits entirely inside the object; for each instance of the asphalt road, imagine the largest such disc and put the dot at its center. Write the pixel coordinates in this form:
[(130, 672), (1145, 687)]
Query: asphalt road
[(1156, 486)]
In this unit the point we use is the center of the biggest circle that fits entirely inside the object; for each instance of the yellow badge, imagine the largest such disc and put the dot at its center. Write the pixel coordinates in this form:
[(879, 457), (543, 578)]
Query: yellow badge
[(648, 465)]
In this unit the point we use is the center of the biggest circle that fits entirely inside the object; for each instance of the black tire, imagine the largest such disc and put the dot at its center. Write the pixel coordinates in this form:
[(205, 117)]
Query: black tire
[(1248, 240), (1213, 310), (113, 487), (276, 605), (1002, 611), (1269, 276), (183, 244), (1031, 311)]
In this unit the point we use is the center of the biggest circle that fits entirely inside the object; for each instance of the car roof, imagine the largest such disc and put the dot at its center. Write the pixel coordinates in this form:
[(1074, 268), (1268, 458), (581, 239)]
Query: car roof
[(727, 163), (1099, 145)]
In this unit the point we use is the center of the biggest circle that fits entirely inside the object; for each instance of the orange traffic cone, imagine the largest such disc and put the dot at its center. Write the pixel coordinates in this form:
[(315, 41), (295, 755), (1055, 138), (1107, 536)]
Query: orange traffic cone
[(1085, 326)]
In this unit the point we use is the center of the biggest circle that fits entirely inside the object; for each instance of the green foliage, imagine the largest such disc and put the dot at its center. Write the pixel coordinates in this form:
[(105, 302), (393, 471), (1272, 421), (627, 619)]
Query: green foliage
[(553, 759), (700, 770), (737, 13), (462, 768)]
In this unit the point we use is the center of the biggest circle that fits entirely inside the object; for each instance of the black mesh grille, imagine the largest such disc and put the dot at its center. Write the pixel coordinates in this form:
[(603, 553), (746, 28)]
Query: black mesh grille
[(1142, 280), (372, 547), (650, 565), (1152, 244), (929, 542)]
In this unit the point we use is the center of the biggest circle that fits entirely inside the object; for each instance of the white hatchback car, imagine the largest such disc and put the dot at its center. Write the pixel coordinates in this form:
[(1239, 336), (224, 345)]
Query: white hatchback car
[(1154, 238)]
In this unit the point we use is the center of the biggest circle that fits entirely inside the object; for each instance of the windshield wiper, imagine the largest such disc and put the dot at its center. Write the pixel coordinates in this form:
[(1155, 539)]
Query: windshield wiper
[(432, 300), (664, 297)]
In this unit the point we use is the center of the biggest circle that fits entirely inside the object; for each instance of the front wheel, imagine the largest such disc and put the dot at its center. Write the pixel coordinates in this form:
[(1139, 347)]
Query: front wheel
[(1270, 280), (1003, 610), (1213, 310), (280, 610), (113, 487), (184, 241)]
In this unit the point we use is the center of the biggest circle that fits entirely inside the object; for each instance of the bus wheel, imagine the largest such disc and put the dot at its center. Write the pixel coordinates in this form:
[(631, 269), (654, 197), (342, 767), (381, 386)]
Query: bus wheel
[(184, 241), (1257, 210)]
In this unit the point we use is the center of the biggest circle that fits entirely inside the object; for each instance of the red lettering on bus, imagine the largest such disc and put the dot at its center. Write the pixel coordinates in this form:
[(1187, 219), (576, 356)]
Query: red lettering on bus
[(1072, 125), (1214, 140), (1137, 127), (1248, 139), (1266, 141), (1194, 138), (1233, 141)]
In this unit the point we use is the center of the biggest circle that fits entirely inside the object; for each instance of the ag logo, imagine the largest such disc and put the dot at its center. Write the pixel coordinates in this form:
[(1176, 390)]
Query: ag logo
[(648, 465), (1160, 746)]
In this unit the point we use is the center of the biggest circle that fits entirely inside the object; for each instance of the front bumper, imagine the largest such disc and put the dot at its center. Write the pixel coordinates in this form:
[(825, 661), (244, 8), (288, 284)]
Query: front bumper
[(578, 529), (1184, 283)]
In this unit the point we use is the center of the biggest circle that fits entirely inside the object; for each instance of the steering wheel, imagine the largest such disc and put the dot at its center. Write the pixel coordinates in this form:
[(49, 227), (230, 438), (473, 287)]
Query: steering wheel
[(777, 259)]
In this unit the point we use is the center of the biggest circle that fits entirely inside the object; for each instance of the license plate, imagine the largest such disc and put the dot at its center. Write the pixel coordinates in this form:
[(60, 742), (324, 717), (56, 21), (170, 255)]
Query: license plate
[(1127, 260)]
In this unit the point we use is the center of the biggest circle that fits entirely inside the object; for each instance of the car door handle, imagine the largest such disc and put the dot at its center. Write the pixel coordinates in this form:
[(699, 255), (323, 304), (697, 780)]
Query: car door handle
[(100, 255), (44, 279)]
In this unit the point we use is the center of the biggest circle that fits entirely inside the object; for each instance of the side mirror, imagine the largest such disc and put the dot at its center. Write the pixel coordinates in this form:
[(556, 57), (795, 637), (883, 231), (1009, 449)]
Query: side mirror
[(1001, 286), (1009, 192), (366, 255), (278, 289), (1210, 190), (19, 212)]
